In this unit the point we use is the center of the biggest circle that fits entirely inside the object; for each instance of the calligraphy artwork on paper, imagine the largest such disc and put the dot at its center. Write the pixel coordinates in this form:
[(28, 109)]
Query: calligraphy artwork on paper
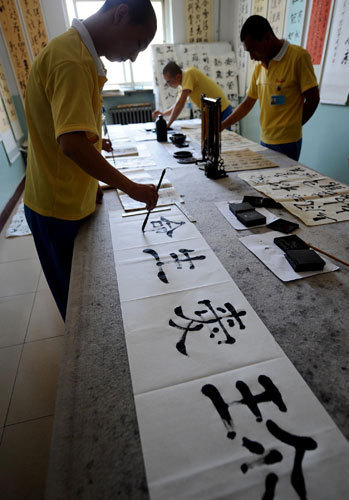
[(218, 321), (177, 260), (272, 457)]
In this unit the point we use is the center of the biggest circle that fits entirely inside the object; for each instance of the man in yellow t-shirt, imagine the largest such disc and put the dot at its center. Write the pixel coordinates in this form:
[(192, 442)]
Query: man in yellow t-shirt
[(193, 83), (63, 110), (285, 84)]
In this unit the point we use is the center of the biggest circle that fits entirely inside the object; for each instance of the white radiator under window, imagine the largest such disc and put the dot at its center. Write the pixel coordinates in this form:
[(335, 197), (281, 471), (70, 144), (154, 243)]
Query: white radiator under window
[(132, 113)]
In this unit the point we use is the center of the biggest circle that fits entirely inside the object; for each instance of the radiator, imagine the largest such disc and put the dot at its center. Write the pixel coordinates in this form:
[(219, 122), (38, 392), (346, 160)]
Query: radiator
[(131, 113)]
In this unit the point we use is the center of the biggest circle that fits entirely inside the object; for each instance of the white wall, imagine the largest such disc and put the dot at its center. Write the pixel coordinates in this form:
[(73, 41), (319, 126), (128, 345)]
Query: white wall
[(55, 17)]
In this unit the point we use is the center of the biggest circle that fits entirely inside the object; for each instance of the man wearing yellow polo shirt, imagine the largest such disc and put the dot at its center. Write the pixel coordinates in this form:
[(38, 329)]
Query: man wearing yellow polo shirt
[(64, 112), (194, 83), (285, 84)]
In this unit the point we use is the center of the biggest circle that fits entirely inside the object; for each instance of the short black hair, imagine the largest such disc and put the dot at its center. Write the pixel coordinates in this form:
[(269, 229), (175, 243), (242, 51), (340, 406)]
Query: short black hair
[(256, 27), (141, 11), (172, 69)]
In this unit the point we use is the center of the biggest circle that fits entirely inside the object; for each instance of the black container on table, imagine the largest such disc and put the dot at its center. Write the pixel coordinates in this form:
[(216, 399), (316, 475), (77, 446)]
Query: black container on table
[(161, 129)]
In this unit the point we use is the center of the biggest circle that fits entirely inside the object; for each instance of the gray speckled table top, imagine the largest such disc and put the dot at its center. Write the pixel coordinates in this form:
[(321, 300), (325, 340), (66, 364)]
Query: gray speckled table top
[(96, 451)]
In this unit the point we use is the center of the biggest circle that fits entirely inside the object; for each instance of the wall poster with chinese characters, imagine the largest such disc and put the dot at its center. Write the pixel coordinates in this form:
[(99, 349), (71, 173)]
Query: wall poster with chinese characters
[(276, 16), (198, 18), (260, 8), (294, 21), (241, 55), (10, 108), (15, 41), (318, 28), (216, 60), (335, 80), (222, 412), (35, 25)]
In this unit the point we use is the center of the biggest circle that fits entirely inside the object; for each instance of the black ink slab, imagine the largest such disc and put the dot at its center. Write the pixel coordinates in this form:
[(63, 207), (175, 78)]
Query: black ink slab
[(259, 201), (236, 208), (251, 218), (305, 260), (291, 242), (255, 201), (283, 226)]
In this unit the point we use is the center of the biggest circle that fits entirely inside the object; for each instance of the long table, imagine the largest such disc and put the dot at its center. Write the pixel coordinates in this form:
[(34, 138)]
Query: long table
[(96, 451)]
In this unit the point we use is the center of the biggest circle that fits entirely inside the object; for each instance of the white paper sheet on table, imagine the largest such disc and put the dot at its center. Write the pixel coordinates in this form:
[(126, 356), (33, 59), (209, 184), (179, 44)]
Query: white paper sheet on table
[(133, 162), (223, 207), (142, 177), (263, 246), (167, 196), (185, 425)]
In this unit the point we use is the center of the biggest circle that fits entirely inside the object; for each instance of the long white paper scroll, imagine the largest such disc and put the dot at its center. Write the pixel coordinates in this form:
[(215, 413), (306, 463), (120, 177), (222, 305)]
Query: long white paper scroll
[(335, 81), (294, 21), (222, 412), (241, 54), (318, 29)]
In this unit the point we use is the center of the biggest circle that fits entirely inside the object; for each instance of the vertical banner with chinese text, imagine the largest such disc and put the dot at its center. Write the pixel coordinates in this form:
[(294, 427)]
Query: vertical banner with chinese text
[(35, 25), (318, 28), (198, 16), (15, 41)]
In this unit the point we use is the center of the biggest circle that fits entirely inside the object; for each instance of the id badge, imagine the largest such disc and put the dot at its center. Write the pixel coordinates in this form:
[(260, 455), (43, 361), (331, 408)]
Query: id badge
[(277, 100)]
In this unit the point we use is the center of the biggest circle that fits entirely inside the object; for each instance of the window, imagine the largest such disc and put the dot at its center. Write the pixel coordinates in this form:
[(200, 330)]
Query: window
[(127, 75)]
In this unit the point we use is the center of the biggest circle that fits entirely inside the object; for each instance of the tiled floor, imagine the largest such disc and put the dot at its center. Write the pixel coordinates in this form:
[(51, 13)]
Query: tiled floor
[(31, 343)]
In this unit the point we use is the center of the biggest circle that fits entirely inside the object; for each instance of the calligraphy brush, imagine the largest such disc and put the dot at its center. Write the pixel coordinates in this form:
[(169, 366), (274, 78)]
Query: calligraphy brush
[(157, 189), (106, 131), (328, 254)]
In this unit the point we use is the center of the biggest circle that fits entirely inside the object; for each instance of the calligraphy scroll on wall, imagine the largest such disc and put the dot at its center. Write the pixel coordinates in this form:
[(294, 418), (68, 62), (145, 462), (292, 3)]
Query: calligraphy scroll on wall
[(35, 25), (317, 32), (294, 21), (335, 84), (276, 16), (10, 108), (4, 123), (241, 54), (15, 41), (260, 8), (198, 20)]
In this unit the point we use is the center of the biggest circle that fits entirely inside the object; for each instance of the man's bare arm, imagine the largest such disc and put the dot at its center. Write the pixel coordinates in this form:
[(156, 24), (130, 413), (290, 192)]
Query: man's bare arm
[(157, 112), (240, 112), (311, 101), (78, 148), (178, 106)]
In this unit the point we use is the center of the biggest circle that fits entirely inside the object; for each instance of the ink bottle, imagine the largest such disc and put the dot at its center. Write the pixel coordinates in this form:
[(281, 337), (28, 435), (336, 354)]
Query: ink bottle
[(161, 129)]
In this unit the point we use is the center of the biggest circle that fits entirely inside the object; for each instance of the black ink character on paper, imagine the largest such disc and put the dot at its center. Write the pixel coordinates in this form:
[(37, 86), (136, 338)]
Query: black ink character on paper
[(301, 444), (176, 260), (218, 321), (166, 226)]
